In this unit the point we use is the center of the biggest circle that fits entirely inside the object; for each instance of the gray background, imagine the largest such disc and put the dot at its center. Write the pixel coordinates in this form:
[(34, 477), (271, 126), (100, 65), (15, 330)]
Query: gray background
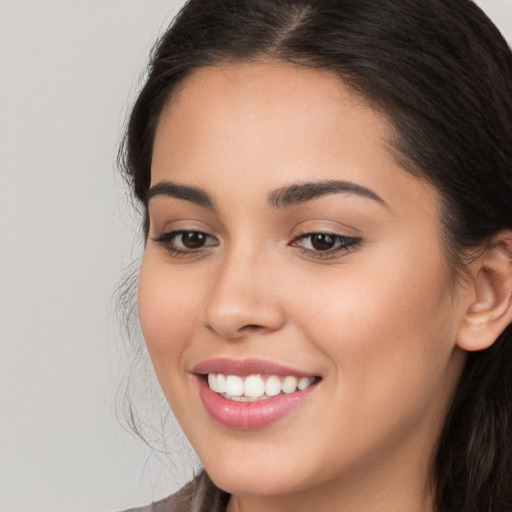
[(68, 70)]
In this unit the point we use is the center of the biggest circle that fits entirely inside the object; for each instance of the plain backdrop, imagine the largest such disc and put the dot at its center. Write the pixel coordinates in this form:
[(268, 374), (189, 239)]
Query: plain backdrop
[(68, 71)]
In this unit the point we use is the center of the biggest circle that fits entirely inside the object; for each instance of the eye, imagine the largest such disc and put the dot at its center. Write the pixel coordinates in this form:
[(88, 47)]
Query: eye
[(325, 245), (183, 242)]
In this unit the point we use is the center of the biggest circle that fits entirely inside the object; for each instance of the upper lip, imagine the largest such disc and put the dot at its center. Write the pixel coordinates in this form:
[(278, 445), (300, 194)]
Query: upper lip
[(247, 367)]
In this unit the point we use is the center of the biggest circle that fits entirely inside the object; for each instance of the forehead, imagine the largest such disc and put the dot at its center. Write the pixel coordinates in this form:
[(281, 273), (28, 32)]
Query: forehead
[(274, 85), (278, 105), (257, 126)]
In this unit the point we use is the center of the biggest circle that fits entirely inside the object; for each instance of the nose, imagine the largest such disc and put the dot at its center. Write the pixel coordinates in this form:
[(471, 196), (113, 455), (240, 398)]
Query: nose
[(244, 299)]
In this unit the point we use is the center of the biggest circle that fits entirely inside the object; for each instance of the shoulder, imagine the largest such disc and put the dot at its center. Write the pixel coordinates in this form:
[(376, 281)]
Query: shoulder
[(199, 495)]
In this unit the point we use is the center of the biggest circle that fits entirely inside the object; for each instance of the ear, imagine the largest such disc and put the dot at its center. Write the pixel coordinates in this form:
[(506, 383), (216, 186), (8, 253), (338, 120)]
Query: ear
[(490, 310)]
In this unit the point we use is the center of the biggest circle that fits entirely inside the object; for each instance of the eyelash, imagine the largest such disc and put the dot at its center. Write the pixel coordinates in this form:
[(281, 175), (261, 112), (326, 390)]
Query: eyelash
[(168, 240), (342, 243)]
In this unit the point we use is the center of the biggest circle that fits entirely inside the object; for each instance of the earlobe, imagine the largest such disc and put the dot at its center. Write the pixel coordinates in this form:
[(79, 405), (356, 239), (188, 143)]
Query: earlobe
[(490, 310)]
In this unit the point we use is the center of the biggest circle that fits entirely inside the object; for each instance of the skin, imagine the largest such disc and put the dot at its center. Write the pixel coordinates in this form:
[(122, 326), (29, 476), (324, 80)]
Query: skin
[(377, 322)]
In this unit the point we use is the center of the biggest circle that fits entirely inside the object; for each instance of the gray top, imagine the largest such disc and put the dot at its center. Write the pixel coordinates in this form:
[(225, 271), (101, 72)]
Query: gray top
[(199, 495)]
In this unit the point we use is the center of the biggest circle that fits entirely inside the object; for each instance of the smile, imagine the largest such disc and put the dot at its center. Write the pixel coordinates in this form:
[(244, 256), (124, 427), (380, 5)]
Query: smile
[(251, 394), (256, 387)]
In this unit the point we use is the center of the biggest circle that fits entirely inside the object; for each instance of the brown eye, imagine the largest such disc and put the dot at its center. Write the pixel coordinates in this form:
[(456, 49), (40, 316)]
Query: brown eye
[(181, 242), (193, 239), (322, 242), (325, 245)]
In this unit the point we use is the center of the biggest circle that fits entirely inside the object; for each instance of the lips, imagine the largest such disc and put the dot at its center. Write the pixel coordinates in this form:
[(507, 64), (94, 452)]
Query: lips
[(251, 393)]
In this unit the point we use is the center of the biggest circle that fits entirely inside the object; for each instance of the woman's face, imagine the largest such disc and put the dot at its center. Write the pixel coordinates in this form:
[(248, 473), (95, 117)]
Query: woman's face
[(289, 253)]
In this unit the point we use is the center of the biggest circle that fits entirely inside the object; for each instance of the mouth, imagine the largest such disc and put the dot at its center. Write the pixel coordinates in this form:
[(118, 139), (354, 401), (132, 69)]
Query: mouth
[(252, 388), (251, 394)]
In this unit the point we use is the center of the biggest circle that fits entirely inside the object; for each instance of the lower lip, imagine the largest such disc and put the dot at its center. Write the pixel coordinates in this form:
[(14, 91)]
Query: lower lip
[(249, 415)]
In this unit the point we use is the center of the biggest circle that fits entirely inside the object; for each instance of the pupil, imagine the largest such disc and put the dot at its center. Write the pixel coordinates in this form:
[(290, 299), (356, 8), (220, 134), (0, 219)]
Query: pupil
[(193, 240), (322, 242)]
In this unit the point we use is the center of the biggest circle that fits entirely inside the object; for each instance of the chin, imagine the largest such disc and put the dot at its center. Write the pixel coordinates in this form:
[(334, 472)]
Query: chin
[(248, 468), (248, 480)]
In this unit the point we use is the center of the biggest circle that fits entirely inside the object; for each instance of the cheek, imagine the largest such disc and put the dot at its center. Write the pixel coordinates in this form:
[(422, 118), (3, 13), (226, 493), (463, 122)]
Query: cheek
[(386, 326), (168, 309)]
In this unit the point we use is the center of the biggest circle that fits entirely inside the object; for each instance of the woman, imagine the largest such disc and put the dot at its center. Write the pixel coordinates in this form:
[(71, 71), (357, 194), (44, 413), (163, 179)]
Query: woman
[(326, 286)]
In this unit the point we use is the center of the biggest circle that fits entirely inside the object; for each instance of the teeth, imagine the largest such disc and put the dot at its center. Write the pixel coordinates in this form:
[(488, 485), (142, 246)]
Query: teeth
[(273, 386), (212, 382), (221, 383), (234, 385), (289, 384), (255, 387), (303, 383)]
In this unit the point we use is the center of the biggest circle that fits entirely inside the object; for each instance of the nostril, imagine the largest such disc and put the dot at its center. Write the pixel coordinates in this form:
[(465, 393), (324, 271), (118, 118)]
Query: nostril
[(234, 331)]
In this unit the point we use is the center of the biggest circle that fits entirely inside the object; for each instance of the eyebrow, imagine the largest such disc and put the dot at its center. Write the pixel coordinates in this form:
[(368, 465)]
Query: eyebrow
[(281, 198), (192, 194), (303, 192)]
